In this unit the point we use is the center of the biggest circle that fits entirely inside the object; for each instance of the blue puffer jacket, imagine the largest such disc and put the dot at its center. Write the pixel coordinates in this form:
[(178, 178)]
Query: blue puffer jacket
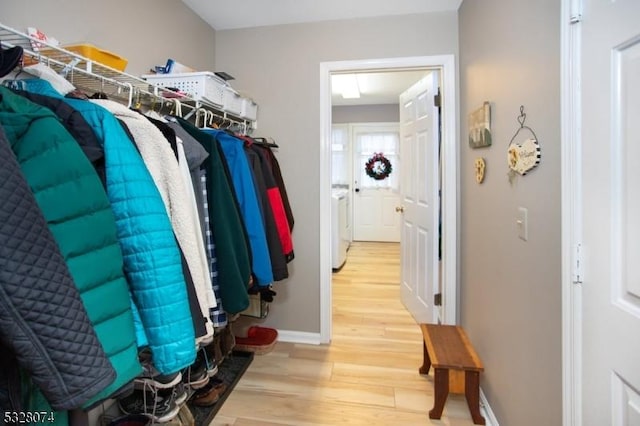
[(241, 175), (151, 258)]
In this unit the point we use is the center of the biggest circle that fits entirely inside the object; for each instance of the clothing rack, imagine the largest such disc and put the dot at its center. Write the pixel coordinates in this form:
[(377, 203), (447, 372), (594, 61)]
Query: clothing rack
[(92, 77)]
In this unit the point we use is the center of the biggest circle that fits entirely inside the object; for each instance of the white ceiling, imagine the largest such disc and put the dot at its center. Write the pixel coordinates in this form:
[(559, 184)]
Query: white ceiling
[(380, 87), (225, 15)]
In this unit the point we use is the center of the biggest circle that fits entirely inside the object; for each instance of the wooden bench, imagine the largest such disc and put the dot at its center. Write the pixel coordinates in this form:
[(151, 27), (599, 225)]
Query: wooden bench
[(447, 347)]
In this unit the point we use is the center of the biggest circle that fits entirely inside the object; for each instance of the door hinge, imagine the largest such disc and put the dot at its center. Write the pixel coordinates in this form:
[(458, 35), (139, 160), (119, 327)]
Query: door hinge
[(437, 299), (575, 11), (437, 99), (577, 274)]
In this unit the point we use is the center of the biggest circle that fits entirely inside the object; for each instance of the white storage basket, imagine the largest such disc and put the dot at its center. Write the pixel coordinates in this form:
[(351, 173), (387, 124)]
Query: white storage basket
[(249, 109), (232, 101), (198, 85)]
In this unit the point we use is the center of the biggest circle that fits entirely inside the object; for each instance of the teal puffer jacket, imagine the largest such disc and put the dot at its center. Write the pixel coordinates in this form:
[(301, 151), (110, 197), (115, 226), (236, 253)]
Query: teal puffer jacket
[(77, 211), (152, 261)]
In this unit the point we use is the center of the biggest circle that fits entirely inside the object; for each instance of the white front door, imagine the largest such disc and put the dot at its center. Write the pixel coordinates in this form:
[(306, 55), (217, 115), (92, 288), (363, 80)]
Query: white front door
[(375, 200), (420, 183), (610, 208)]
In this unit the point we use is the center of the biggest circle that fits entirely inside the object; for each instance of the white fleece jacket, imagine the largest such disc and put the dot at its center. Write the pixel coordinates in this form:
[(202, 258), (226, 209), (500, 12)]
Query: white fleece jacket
[(165, 171)]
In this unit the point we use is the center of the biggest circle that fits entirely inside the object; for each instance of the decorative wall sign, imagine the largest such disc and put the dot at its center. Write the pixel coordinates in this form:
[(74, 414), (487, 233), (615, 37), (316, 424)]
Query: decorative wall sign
[(524, 156), (480, 167), (480, 126), (523, 153)]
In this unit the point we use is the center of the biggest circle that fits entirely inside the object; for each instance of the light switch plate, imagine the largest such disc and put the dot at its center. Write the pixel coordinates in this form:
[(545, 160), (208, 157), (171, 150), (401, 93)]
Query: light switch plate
[(522, 222)]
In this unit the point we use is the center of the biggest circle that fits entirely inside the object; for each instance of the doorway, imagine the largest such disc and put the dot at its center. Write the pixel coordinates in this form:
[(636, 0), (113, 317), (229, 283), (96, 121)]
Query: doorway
[(446, 65)]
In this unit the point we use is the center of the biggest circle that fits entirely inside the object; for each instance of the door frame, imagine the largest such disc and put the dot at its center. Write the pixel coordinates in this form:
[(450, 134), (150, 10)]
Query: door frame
[(571, 112), (448, 68)]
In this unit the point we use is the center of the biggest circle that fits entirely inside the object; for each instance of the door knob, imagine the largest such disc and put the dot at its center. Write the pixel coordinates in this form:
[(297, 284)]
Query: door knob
[(400, 209), (357, 189)]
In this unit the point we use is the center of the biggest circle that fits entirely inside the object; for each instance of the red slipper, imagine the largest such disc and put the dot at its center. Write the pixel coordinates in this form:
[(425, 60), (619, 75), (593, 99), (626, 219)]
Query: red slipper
[(259, 340)]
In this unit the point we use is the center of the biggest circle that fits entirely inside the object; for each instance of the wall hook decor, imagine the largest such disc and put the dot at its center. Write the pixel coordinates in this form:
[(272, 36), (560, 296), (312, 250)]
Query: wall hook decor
[(523, 153)]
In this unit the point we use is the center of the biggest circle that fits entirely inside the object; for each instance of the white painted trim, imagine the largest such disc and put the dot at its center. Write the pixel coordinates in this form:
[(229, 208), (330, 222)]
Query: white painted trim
[(299, 337), (571, 213), (448, 68), (326, 317), (486, 411)]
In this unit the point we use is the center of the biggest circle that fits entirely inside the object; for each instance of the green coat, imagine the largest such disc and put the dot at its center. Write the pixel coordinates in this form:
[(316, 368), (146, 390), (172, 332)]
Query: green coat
[(75, 206), (232, 252)]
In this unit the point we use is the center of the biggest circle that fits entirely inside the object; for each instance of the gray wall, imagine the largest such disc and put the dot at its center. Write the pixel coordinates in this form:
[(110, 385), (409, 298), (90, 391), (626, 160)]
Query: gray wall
[(146, 32), (510, 289), (389, 113), (280, 67)]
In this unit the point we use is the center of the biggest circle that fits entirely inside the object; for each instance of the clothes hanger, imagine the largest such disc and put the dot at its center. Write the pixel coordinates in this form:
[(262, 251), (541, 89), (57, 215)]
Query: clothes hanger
[(177, 108), (266, 142)]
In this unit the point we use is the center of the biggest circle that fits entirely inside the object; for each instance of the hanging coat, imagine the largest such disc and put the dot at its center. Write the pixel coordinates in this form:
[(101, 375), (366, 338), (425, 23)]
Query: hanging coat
[(277, 199), (163, 166), (276, 253), (151, 258), (246, 195), (80, 218), (234, 267), (75, 124), (62, 354)]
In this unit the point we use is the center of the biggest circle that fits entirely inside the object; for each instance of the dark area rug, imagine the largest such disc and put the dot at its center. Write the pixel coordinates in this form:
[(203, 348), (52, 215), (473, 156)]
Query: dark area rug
[(230, 371)]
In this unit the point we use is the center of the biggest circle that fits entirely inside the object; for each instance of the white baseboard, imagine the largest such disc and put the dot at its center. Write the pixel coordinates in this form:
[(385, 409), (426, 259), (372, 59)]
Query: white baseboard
[(486, 411), (299, 337)]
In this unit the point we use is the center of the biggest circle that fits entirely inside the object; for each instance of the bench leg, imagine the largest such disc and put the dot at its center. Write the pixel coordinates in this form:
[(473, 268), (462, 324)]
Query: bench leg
[(472, 392), (441, 391), (426, 361)]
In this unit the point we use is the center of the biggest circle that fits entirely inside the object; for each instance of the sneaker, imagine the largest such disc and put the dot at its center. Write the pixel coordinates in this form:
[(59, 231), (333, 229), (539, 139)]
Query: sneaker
[(180, 394), (151, 376), (195, 376), (209, 363), (160, 408)]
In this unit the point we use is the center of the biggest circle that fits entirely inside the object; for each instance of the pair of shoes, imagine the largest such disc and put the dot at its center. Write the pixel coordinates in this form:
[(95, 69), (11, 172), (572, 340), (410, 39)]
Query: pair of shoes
[(151, 376), (208, 395), (259, 340), (157, 405)]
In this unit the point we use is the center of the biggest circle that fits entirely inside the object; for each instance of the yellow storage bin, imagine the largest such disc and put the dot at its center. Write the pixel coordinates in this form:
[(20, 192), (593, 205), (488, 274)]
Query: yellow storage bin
[(99, 55)]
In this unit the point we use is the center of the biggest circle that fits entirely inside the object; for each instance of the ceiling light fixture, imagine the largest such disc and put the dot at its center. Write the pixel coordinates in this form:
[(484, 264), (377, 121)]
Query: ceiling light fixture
[(345, 85)]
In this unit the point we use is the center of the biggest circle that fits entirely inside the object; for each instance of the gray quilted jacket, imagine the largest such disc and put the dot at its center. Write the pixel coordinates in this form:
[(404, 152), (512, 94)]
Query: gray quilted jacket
[(42, 318)]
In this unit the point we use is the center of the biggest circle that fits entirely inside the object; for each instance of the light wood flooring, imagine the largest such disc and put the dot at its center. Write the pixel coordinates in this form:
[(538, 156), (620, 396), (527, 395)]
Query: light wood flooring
[(368, 375)]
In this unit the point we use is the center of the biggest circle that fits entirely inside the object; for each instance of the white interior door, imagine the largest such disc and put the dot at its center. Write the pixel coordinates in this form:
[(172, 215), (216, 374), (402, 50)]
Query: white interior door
[(610, 103), (374, 201), (419, 136)]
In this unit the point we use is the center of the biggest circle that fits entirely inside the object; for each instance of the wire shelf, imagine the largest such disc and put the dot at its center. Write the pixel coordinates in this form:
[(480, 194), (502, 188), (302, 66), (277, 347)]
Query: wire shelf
[(92, 77)]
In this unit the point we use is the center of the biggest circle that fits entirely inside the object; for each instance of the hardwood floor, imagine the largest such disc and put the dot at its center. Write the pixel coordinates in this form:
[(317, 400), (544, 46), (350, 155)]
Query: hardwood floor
[(367, 376)]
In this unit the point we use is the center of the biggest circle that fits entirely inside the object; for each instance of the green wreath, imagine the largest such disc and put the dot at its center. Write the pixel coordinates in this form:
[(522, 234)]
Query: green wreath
[(378, 167)]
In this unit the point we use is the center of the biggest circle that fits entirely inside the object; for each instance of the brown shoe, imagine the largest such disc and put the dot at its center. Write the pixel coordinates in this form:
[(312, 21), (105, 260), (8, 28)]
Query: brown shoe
[(214, 351), (228, 341), (208, 395)]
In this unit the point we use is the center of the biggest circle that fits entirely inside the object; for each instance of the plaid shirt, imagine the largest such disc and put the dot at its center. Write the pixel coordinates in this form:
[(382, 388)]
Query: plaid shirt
[(217, 314)]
